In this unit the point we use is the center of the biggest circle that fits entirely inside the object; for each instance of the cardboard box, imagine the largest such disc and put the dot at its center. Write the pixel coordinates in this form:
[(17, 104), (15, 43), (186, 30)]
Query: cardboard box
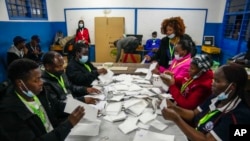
[(107, 30)]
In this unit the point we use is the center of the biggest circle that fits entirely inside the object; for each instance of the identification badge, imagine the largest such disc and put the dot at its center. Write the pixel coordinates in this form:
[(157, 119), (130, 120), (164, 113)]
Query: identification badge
[(170, 62)]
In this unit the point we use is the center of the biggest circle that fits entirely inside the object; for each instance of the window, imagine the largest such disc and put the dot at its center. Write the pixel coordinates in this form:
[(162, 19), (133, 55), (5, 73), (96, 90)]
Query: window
[(237, 20), (26, 9)]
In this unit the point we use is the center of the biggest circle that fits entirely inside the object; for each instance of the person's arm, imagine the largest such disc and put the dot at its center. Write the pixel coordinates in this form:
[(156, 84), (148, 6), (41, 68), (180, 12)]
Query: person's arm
[(189, 131)]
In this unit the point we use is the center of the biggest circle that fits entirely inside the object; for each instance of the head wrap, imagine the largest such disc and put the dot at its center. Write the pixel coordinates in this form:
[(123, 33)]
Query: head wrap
[(203, 62)]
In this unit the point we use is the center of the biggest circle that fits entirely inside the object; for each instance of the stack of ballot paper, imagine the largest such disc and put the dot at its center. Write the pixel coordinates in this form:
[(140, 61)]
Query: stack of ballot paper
[(144, 135), (114, 118), (129, 125), (113, 108), (137, 108)]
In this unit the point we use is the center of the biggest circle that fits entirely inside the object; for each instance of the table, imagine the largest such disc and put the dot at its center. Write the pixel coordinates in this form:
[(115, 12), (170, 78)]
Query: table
[(131, 67), (110, 132)]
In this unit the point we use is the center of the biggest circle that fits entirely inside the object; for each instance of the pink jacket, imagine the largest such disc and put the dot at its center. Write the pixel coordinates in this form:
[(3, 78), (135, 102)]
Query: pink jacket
[(179, 68)]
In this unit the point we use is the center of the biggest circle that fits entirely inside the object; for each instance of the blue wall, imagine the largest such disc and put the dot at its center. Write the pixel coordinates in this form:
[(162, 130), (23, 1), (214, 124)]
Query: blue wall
[(47, 30)]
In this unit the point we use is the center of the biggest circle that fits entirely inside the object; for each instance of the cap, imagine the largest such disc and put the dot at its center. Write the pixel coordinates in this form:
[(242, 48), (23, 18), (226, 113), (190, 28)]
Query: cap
[(18, 39), (36, 38)]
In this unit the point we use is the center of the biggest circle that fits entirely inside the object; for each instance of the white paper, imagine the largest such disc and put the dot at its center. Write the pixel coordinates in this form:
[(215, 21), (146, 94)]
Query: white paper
[(138, 108), (134, 87), (156, 90), (163, 104), (118, 68), (146, 117), (90, 112), (86, 129), (119, 117), (144, 135), (165, 96), (141, 70), (97, 96), (158, 125), (143, 61), (113, 108), (130, 102), (99, 105), (151, 67), (128, 125), (117, 97), (106, 78)]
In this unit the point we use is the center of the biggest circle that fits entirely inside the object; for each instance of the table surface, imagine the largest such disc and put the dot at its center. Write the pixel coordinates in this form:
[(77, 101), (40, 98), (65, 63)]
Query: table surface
[(131, 67), (109, 131)]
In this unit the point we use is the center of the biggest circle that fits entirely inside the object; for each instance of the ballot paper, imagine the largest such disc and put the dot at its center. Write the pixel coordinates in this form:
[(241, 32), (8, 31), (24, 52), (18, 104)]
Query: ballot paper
[(145, 135), (165, 96), (100, 105), (143, 61), (142, 70), (143, 126), (130, 102), (118, 68), (157, 82), (113, 108), (87, 128), (129, 125), (138, 108), (119, 117), (117, 97), (97, 96), (163, 104), (90, 112), (106, 78), (151, 67), (158, 125), (146, 117)]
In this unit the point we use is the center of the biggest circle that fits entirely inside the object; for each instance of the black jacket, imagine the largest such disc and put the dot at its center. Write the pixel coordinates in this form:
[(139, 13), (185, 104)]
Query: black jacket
[(162, 56), (78, 74), (56, 91), (21, 125)]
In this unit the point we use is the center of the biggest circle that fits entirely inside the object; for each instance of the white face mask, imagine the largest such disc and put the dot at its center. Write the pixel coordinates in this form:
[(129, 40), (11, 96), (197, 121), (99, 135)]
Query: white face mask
[(27, 92), (80, 25), (224, 95), (171, 36), (177, 56)]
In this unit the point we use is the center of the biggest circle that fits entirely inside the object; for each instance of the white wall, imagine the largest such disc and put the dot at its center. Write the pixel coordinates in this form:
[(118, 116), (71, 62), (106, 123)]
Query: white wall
[(56, 7)]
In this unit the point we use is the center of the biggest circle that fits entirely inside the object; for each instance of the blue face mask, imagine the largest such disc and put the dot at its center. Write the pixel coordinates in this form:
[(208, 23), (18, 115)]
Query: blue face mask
[(83, 59), (28, 93), (224, 95), (171, 36)]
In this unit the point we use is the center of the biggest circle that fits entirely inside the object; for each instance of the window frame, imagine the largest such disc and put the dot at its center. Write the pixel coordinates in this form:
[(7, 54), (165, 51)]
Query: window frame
[(28, 8)]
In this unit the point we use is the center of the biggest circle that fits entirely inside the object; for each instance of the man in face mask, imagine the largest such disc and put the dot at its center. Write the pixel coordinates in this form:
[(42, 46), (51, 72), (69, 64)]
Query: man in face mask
[(56, 81), (80, 70)]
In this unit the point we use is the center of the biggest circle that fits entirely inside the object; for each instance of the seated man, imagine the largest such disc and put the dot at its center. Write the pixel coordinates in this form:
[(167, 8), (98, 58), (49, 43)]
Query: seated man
[(79, 70), (129, 44), (34, 49), (26, 113), (152, 45), (18, 50), (57, 83)]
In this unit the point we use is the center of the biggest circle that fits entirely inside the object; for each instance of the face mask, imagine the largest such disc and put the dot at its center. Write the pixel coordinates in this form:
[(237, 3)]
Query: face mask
[(171, 36), (177, 56), (81, 25), (28, 92), (224, 95), (83, 59)]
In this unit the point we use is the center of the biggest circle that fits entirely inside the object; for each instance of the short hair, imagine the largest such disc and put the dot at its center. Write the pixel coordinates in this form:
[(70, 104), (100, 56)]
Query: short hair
[(20, 69), (115, 42), (176, 22), (78, 47), (185, 45), (48, 57), (154, 33)]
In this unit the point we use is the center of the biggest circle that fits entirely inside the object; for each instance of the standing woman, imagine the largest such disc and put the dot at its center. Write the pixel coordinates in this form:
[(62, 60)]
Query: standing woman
[(174, 29), (82, 33)]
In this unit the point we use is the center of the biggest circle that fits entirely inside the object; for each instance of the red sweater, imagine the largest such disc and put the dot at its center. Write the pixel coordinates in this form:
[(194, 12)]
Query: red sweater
[(82, 34), (195, 93)]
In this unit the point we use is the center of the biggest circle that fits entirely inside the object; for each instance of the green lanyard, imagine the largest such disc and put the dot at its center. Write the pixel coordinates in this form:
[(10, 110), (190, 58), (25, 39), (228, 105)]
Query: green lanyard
[(171, 49), (184, 86), (87, 66), (207, 117), (36, 111), (60, 81)]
